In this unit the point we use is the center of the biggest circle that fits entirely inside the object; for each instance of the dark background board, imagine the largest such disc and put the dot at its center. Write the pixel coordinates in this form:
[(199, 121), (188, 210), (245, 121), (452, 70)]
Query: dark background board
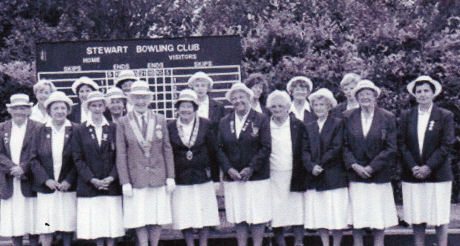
[(166, 64)]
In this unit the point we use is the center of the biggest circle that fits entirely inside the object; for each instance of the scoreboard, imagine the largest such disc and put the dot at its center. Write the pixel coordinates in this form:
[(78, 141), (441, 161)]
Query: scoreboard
[(166, 64)]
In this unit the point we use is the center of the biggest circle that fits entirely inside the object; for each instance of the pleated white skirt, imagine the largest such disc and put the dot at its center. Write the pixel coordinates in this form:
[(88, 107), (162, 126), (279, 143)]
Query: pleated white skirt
[(147, 206), (99, 217), (427, 202), (248, 202), (328, 209), (18, 213), (287, 206), (56, 212), (372, 205), (194, 206)]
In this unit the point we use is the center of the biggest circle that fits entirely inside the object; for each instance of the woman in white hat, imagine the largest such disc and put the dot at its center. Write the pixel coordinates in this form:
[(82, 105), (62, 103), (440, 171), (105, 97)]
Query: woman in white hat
[(369, 152), (18, 200), (116, 103), (82, 87), (124, 80), (347, 84), (145, 165), (287, 172), (54, 172), (99, 201), (326, 200), (427, 133), (42, 90), (194, 203), (244, 149), (300, 88), (257, 83)]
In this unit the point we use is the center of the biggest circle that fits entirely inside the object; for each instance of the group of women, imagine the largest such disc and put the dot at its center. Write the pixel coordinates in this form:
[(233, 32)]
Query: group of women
[(295, 159)]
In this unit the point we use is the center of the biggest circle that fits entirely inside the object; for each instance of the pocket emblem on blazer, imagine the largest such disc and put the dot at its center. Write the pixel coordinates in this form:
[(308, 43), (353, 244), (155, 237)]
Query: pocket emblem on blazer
[(255, 130), (430, 127)]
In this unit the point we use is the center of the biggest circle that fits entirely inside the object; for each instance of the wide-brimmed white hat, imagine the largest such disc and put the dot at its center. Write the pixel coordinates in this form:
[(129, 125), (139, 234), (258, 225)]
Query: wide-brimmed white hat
[(19, 99), (199, 75), (365, 84), (140, 87), (323, 92), (58, 96), (278, 94), (84, 81), (115, 93), (239, 87), (94, 96), (437, 85), (187, 95), (125, 75), (303, 79), (350, 77)]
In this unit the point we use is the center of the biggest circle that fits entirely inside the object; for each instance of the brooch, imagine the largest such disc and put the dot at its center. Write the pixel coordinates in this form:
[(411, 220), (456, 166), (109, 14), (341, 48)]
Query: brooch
[(255, 130), (48, 136), (6, 138), (232, 126), (104, 137), (430, 127), (92, 136)]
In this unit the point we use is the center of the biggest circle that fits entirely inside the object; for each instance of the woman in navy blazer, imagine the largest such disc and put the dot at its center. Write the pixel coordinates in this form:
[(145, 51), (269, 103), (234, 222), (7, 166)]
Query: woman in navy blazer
[(194, 203), (99, 202), (427, 134), (287, 171), (348, 83), (326, 200), (369, 152), (244, 148), (54, 172), (81, 87)]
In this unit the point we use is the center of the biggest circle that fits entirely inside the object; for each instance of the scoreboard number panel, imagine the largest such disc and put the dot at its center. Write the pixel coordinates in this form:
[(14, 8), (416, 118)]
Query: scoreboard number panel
[(166, 64)]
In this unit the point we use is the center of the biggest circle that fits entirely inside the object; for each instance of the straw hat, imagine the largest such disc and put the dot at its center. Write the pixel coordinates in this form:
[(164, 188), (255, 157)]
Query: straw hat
[(238, 87), (19, 99), (94, 96), (115, 93), (365, 84), (187, 95), (199, 75), (58, 96), (437, 85), (326, 93), (84, 81), (140, 87), (123, 76), (303, 79)]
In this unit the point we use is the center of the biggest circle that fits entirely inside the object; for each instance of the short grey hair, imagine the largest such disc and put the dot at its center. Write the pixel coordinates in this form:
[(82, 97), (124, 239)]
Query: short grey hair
[(283, 95), (350, 78)]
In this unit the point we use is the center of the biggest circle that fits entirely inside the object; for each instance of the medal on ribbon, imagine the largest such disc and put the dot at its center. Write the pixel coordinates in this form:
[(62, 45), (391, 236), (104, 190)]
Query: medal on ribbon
[(192, 139), (146, 147), (255, 130), (144, 143), (189, 155)]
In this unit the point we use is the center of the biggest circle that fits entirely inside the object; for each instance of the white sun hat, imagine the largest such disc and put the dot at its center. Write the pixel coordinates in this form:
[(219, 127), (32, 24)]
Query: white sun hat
[(437, 85), (84, 81), (58, 96), (199, 75), (19, 99), (239, 87), (303, 79), (323, 92), (365, 84)]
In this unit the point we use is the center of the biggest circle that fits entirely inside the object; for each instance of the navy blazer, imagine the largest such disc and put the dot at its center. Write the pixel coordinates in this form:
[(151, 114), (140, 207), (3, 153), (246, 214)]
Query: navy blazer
[(94, 161), (299, 153), (75, 114), (216, 112), (42, 159), (197, 170), (338, 110), (307, 116), (377, 150), (437, 144), (6, 179), (251, 149), (325, 150)]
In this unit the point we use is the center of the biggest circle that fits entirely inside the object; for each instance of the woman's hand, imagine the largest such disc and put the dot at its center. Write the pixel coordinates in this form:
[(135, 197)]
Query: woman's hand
[(64, 186), (99, 184), (52, 184), (235, 175), (16, 171), (317, 170), (108, 180), (246, 173), (361, 171)]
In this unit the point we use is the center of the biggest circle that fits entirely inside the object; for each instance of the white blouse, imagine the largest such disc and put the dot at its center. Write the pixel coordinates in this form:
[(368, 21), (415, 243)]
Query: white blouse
[(321, 124), (57, 146), (281, 155), (239, 123), (186, 130), (300, 115), (38, 116), (16, 140), (422, 124), (98, 129), (366, 123), (257, 107), (203, 109), (84, 114)]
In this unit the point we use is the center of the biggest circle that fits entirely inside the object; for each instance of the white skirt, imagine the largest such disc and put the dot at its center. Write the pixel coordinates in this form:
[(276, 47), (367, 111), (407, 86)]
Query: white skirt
[(329, 209), (427, 203), (99, 217), (147, 206), (287, 206), (372, 205), (56, 212), (248, 202), (18, 213), (194, 206)]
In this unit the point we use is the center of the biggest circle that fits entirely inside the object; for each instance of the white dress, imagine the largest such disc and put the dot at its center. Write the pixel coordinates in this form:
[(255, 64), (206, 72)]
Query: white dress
[(427, 202), (57, 211), (99, 216), (17, 213), (287, 206)]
